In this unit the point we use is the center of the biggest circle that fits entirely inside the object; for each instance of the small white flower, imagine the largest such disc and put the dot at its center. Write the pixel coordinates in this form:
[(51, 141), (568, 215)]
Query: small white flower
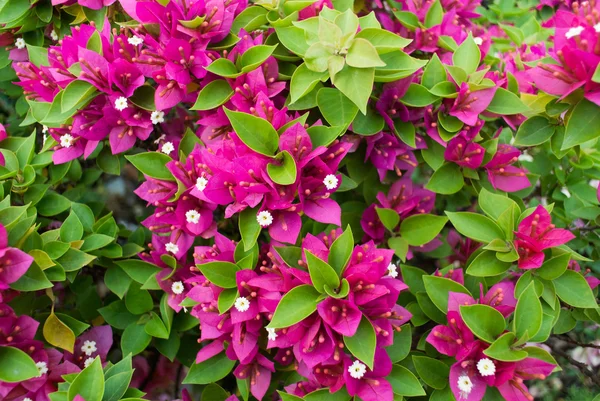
[(157, 116), (167, 148), (54, 35), (486, 367), (44, 139), (160, 138), (89, 347), (192, 216), (44, 129), (171, 247), (26, 399), (331, 182), (392, 270), (135, 40), (465, 385), (88, 362), (121, 103), (565, 192), (20, 43), (357, 370), (525, 157), (575, 31), (478, 41), (201, 183), (42, 368), (66, 141), (594, 183), (456, 264), (242, 304), (272, 336), (264, 218), (597, 27), (177, 287)]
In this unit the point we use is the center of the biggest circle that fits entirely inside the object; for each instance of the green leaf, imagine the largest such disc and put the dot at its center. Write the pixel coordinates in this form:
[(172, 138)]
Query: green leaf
[(475, 226), (433, 372), (528, 313), (283, 171), (467, 56), (401, 346), (209, 371), (356, 84), (213, 95), (71, 229), (574, 290), (384, 41), (255, 56), (76, 94), (221, 274), (74, 260), (299, 303), (494, 204), (446, 180), (89, 384), (115, 386), (420, 229), (224, 68), (583, 124), (362, 54), (156, 327), (404, 382), (400, 247), (389, 217), (138, 270), (321, 273), (434, 15), (138, 301), (484, 321), (52, 204), (341, 251), (152, 164), (226, 299), (514, 33), (434, 73), (303, 81), (38, 55), (16, 365), (418, 96), (553, 268), (33, 280), (501, 349), (134, 339), (258, 134), (438, 288), (249, 228), (337, 109), (58, 334), (506, 103), (486, 264), (534, 131), (362, 343)]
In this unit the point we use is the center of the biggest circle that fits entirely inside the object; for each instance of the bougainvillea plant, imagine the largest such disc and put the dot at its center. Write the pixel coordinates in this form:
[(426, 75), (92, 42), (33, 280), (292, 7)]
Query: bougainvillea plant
[(318, 200)]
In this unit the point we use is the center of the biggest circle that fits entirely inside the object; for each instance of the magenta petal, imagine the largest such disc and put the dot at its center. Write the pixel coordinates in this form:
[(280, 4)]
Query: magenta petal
[(324, 211), (368, 391), (479, 386), (210, 350), (341, 315), (285, 227), (15, 264)]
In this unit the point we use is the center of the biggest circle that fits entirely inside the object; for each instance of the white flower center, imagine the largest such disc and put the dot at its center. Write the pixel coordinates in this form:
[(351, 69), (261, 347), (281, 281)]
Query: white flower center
[(42, 368), (157, 116), (357, 370), (88, 362), (242, 304), (135, 40), (26, 399), (20, 43), (171, 247), (89, 347), (121, 103), (54, 35), (486, 367), (525, 157), (44, 129), (392, 270), (192, 216), (66, 141), (264, 218), (597, 27), (272, 336), (167, 148), (331, 182), (465, 385), (575, 31), (177, 287), (594, 183), (201, 183), (478, 41), (565, 192)]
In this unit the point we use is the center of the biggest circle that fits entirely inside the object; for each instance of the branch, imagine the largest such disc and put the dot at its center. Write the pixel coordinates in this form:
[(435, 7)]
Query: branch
[(568, 339), (585, 369)]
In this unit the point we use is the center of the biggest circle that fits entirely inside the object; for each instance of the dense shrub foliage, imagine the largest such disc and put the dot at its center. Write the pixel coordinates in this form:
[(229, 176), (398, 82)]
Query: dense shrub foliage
[(299, 200)]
